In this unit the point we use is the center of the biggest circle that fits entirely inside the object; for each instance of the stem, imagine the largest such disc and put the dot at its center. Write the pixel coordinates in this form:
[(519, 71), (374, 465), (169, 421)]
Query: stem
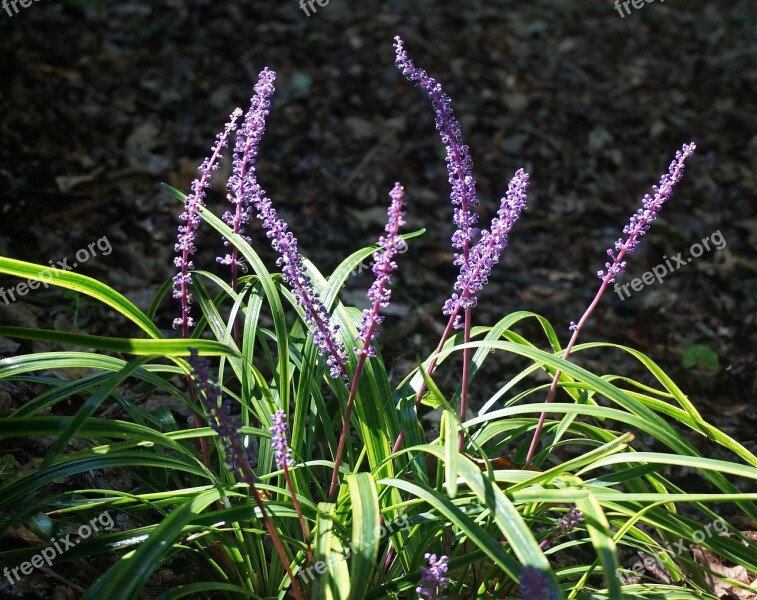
[(237, 224), (235, 331), (429, 371), (346, 422), (379, 294), (662, 192), (298, 508), (247, 473), (566, 354), (466, 371), (277, 543), (198, 424)]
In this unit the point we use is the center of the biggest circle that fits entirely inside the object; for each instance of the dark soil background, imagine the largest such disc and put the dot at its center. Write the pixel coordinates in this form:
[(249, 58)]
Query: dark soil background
[(102, 101)]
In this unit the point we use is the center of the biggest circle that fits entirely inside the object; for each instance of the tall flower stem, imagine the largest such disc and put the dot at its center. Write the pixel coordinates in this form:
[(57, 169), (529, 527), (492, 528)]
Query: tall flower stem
[(460, 176), (284, 460), (379, 294), (300, 515), (237, 456), (463, 197), (187, 233), (484, 255), (245, 155), (334, 486), (466, 374), (638, 226), (186, 248)]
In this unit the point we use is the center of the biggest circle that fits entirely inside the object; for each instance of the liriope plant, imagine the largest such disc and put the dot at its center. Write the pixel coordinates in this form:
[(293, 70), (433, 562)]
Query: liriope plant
[(304, 470)]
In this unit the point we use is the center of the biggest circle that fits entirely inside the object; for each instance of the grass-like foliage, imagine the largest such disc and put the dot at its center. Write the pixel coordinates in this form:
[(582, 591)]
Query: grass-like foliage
[(305, 470)]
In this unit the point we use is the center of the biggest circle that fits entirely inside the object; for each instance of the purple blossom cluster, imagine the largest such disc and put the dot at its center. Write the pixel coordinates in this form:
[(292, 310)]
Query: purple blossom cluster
[(563, 526), (383, 267), (279, 440), (567, 523), (535, 585), (238, 455), (459, 162), (248, 138), (642, 220), (325, 334), (475, 262), (485, 254), (246, 193), (432, 578), (185, 242)]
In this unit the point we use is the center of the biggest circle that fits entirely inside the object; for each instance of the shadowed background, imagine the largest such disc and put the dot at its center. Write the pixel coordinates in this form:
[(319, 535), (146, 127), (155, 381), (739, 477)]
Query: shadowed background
[(101, 101)]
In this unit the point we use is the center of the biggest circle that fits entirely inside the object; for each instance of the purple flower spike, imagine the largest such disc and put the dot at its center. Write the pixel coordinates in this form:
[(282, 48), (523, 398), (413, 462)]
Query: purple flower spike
[(642, 219), (185, 245), (246, 193), (485, 254), (293, 270), (279, 440), (245, 154), (432, 578), (572, 518), (459, 163), (535, 585), (383, 267), (564, 526)]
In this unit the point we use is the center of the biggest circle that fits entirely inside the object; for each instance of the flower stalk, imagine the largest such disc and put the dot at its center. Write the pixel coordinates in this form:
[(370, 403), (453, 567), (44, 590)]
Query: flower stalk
[(475, 261), (380, 295), (283, 457), (639, 224), (248, 138), (238, 455), (185, 246), (484, 255)]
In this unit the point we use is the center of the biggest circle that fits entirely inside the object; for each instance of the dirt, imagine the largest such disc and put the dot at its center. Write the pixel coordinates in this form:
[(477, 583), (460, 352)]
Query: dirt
[(103, 101)]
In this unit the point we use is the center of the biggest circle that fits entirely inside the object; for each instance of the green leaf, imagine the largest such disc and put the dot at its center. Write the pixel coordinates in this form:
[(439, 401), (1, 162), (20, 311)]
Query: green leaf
[(157, 347), (83, 284), (506, 516), (125, 579), (332, 578), (88, 409), (196, 590), (91, 460), (451, 454), (366, 523), (701, 357)]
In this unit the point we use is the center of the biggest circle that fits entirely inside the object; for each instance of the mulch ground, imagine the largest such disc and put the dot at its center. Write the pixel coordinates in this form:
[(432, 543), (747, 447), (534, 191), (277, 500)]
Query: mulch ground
[(102, 101)]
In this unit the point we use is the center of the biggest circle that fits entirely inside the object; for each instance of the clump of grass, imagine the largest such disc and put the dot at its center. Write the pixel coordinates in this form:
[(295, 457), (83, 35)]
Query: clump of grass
[(304, 472)]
